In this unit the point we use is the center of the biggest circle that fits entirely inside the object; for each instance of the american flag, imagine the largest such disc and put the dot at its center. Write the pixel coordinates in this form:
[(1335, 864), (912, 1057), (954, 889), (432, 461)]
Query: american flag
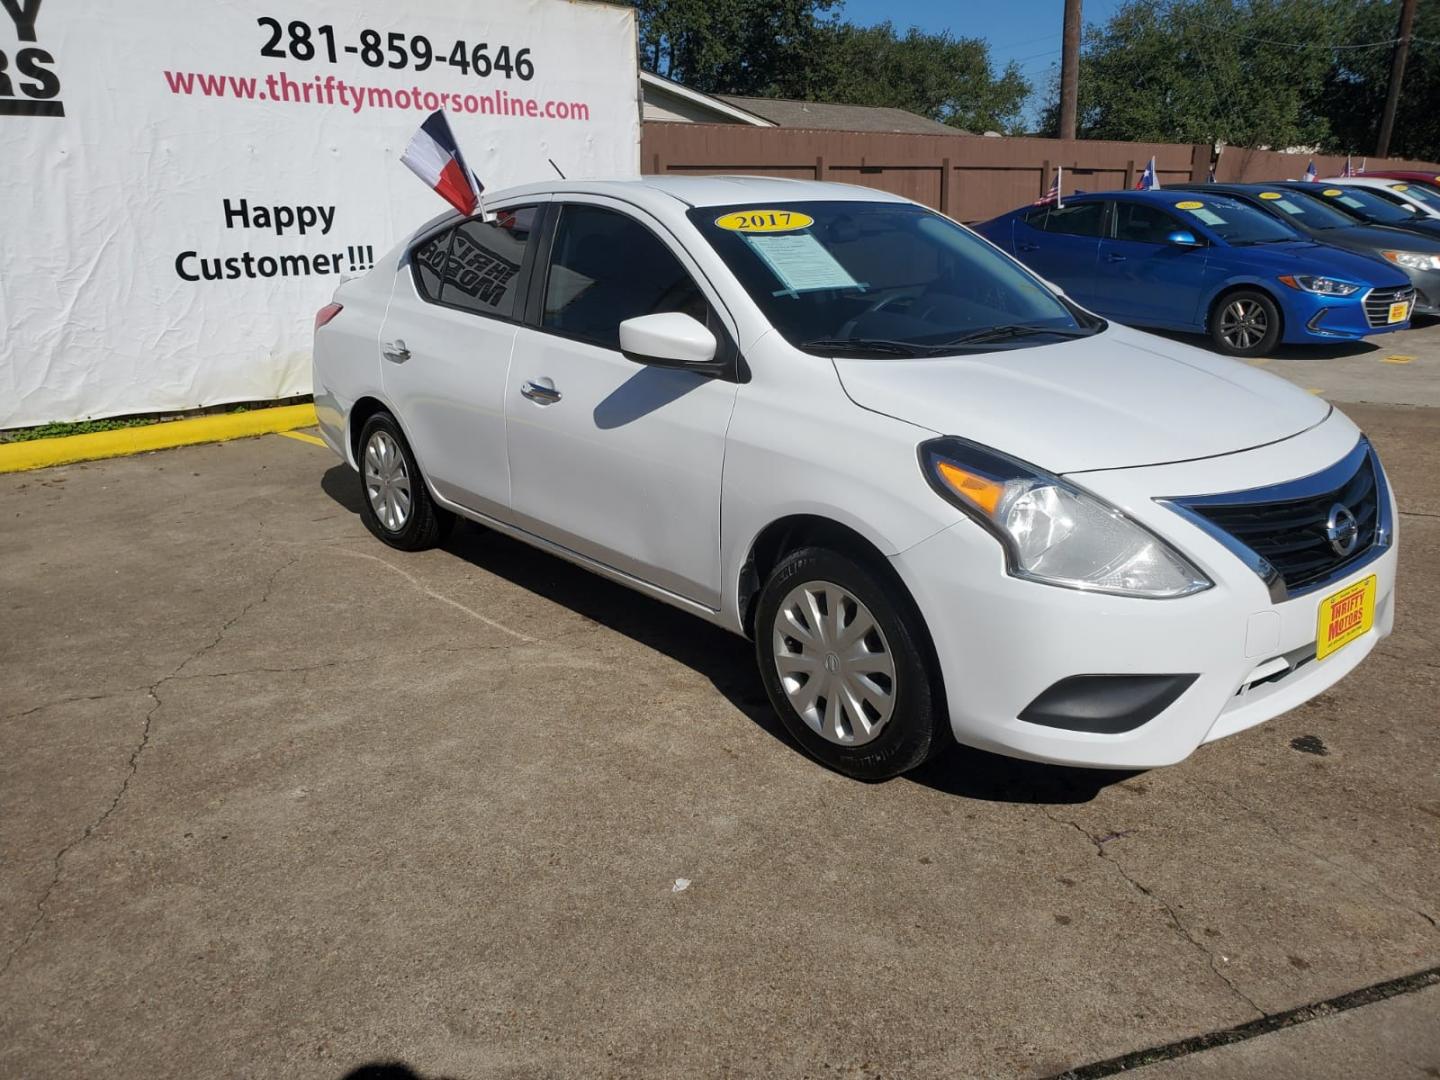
[(1053, 195)]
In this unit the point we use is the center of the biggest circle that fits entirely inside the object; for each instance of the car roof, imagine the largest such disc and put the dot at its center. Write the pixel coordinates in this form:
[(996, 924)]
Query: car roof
[(704, 190), (1127, 194), (1250, 185)]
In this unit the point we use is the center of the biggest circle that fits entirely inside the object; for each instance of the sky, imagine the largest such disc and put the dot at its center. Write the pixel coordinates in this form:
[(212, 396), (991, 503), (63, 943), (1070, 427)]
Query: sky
[(1026, 31)]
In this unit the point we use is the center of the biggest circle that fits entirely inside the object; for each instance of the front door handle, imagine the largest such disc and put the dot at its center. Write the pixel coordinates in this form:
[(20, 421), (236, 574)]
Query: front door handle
[(1028, 247), (1112, 257), (395, 351), (541, 391)]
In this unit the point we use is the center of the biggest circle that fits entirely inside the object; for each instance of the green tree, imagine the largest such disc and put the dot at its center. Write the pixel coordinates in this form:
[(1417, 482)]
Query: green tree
[(800, 49), (945, 78), (732, 46), (1352, 95), (1244, 72)]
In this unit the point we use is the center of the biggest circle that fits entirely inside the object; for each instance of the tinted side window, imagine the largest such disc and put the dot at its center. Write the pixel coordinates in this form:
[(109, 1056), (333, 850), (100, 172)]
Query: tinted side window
[(484, 264), (1142, 224), (1077, 219), (606, 268), (429, 262)]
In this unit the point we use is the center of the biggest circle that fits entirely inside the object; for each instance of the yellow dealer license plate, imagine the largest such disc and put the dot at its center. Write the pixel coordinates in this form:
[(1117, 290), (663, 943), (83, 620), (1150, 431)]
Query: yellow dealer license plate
[(1344, 617), (1400, 312)]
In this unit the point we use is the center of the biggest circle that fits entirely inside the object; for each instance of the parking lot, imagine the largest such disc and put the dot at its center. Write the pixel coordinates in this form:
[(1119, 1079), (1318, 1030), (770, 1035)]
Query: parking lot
[(280, 801)]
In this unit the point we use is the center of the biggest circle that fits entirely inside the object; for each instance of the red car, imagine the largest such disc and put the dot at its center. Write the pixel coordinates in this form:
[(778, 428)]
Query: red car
[(1414, 176)]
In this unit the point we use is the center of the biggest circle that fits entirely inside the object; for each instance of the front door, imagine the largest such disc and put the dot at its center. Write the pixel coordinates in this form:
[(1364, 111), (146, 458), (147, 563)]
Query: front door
[(445, 347), (608, 457), (1144, 279)]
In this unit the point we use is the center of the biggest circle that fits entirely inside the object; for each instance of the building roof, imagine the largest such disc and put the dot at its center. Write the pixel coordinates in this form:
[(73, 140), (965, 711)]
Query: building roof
[(665, 99), (825, 116)]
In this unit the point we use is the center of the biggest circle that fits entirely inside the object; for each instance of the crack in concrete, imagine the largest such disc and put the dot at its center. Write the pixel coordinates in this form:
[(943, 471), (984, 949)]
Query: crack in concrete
[(72, 700), (1150, 894), (132, 767), (1291, 842)]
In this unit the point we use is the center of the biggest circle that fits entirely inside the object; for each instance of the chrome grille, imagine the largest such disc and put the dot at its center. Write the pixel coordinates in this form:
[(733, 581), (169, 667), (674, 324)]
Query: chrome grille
[(1378, 301), (1281, 531)]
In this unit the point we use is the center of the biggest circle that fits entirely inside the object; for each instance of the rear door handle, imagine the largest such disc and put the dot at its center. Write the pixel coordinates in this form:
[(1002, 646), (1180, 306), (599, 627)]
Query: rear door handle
[(1028, 247), (541, 391), (1112, 257), (395, 351)]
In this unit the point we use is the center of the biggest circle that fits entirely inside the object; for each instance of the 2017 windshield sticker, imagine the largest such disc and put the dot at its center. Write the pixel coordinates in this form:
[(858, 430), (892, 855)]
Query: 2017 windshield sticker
[(1270, 195), (1188, 205), (1332, 192), (801, 263), (764, 221)]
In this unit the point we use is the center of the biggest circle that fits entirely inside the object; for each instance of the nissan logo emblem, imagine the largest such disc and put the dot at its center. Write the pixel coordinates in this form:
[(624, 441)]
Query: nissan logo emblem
[(1342, 530)]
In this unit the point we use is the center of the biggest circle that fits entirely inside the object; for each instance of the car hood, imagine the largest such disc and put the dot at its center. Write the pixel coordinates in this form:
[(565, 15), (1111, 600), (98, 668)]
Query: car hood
[(1119, 399), (1312, 257), (1382, 236)]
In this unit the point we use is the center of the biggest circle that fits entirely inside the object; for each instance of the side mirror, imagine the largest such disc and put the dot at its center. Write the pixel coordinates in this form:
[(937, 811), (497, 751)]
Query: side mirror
[(1182, 238), (670, 339)]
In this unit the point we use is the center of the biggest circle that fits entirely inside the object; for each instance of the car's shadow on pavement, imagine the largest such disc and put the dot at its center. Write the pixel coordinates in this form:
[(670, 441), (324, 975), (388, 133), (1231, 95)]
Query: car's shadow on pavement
[(727, 660)]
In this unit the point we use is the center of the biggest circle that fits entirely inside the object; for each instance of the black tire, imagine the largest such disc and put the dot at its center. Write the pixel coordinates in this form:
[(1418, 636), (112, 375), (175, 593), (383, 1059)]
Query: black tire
[(1245, 322), (917, 726), (424, 524)]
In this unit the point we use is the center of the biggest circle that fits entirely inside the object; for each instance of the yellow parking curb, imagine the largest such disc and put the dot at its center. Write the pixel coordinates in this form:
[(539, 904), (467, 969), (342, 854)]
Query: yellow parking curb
[(67, 449)]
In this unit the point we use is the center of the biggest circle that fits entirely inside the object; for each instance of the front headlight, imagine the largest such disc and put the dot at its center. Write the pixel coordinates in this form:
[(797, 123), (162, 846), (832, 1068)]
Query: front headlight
[(1324, 286), (1051, 530), (1413, 260)]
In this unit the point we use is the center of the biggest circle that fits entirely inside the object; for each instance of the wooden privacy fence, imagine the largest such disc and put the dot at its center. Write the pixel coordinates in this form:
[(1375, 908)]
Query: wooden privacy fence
[(969, 177)]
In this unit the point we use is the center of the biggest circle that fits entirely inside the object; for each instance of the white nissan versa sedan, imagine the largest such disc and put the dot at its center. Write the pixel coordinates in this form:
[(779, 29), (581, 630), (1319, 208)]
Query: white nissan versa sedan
[(934, 491)]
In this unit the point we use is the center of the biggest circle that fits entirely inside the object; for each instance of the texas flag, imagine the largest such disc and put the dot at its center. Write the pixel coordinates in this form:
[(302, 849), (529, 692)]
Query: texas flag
[(434, 156), (1148, 180), (1349, 166), (1310, 173)]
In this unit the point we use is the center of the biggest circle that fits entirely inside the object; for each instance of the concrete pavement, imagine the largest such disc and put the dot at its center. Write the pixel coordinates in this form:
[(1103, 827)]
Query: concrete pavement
[(277, 800)]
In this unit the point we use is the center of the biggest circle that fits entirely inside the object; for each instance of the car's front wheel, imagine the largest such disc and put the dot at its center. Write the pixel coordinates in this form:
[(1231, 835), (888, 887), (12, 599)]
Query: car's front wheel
[(1245, 323), (845, 661), (394, 502)]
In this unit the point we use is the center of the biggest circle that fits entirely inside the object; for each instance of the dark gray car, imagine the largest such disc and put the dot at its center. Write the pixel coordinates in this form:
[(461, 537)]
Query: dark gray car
[(1416, 254)]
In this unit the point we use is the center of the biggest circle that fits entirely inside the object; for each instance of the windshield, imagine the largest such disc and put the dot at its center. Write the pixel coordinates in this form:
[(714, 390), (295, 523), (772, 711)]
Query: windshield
[(1425, 196), (1305, 210), (883, 279), (1233, 221), (1365, 205)]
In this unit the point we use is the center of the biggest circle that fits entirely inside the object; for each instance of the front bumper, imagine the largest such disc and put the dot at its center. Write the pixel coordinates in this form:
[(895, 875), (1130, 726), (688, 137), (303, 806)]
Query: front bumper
[(1003, 642), (1310, 319)]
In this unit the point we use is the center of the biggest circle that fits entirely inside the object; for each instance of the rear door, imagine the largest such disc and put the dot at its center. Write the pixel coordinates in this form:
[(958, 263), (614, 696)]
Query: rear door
[(1060, 244), (611, 458), (445, 347), (1145, 279)]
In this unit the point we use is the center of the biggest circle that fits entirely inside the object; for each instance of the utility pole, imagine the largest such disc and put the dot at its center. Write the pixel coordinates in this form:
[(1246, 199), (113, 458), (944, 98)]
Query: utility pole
[(1070, 68), (1397, 73)]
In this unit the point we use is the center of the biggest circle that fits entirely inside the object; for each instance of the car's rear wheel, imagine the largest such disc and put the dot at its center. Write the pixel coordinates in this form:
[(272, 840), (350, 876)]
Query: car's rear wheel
[(1245, 323), (845, 661), (395, 504)]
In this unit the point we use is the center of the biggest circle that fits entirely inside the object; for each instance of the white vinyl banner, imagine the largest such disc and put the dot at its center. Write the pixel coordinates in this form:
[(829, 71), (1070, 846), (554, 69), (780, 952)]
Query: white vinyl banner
[(185, 182)]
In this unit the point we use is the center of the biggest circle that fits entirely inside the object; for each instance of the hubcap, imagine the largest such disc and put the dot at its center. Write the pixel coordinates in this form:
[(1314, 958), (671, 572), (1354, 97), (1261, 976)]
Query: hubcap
[(834, 663), (1243, 323), (387, 481)]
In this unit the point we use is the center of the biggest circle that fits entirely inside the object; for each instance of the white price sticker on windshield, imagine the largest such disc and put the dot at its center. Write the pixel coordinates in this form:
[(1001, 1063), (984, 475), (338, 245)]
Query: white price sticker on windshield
[(800, 262)]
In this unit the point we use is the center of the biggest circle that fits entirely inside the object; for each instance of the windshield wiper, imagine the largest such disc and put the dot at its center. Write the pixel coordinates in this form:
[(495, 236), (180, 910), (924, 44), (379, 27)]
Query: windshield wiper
[(1010, 330), (863, 347)]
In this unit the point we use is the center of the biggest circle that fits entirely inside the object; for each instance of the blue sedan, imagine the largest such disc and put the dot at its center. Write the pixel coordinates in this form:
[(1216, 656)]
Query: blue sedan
[(1206, 264)]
